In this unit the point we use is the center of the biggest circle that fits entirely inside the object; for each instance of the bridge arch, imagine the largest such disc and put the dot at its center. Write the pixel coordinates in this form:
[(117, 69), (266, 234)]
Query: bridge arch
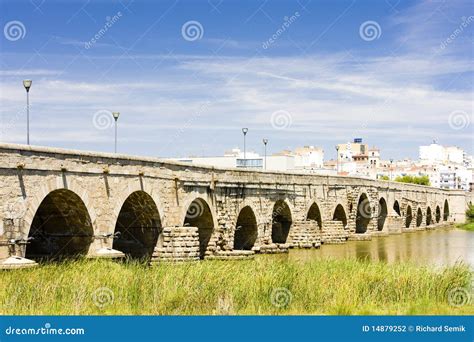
[(281, 221), (48, 187), (314, 214), (340, 215), (199, 214), (364, 213), (246, 229), (382, 215), (429, 217), (419, 217), (137, 186), (138, 226), (61, 227), (438, 214), (408, 217), (446, 210), (396, 208)]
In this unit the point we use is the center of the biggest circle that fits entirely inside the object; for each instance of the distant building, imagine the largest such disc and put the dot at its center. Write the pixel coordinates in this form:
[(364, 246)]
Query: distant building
[(309, 159)]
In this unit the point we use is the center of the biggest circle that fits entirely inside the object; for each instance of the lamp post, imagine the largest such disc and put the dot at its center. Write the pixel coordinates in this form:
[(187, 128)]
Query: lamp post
[(116, 116), (337, 159), (244, 131), (27, 85), (265, 142), (391, 161)]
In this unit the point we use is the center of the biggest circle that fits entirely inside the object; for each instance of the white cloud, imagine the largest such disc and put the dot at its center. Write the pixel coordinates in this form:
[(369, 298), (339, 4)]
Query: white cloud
[(329, 97)]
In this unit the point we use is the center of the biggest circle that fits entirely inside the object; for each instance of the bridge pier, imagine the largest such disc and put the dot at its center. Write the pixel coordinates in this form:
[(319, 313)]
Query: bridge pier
[(304, 234), (101, 248), (177, 244), (334, 232)]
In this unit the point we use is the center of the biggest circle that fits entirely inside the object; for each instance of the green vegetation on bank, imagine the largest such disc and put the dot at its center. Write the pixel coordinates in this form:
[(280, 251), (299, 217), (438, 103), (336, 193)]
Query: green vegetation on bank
[(421, 180), (266, 285), (469, 225)]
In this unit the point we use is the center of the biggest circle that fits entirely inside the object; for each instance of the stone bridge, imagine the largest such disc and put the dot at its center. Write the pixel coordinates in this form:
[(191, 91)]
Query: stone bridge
[(59, 203)]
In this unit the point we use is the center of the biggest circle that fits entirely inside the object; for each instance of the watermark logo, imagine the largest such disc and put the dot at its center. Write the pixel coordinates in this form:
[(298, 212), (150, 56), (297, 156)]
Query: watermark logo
[(459, 120), (370, 30), (281, 119), (14, 30), (109, 22), (196, 209), (459, 296), (225, 305), (103, 119), (192, 30), (102, 297), (466, 21), (15, 209), (287, 21), (281, 297), (364, 209)]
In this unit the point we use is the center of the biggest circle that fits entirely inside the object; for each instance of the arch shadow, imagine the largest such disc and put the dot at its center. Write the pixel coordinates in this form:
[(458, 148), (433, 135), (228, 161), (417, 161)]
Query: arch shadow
[(61, 227)]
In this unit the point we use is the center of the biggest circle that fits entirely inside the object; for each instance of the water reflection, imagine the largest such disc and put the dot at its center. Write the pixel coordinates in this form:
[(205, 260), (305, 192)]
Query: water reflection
[(434, 247)]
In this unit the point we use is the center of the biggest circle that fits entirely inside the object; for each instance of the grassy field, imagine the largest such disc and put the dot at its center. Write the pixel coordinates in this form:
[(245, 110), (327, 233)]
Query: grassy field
[(260, 286)]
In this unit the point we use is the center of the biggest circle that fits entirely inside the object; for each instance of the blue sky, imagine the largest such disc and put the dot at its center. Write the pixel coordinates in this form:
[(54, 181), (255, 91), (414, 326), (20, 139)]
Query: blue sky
[(188, 75)]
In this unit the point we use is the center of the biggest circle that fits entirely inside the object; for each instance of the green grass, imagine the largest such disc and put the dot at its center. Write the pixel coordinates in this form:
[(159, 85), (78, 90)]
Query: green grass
[(466, 226), (335, 287)]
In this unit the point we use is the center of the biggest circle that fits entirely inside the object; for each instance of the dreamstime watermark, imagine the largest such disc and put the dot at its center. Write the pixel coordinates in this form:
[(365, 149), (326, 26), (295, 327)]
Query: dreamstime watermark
[(195, 210), (47, 329), (110, 21), (281, 119), (370, 30), (457, 32), (461, 296), (103, 119), (11, 122), (286, 24), (14, 30), (102, 297), (281, 297), (225, 305), (192, 30), (15, 209), (364, 209), (459, 120)]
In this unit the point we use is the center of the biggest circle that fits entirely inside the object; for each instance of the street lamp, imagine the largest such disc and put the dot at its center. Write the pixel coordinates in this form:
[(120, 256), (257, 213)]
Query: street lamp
[(265, 142), (116, 116), (245, 130), (27, 85), (391, 161), (337, 159)]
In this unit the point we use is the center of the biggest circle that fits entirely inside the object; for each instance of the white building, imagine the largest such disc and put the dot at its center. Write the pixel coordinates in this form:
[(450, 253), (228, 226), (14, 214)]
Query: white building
[(452, 165), (437, 154), (308, 159)]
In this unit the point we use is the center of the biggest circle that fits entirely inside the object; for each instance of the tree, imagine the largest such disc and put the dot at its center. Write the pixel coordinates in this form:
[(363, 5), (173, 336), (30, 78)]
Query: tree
[(383, 177), (421, 180)]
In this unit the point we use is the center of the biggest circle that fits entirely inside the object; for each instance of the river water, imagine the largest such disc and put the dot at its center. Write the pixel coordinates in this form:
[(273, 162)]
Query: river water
[(442, 247)]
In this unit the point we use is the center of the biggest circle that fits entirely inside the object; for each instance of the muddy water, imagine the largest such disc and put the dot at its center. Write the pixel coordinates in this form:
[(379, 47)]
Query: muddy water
[(442, 247)]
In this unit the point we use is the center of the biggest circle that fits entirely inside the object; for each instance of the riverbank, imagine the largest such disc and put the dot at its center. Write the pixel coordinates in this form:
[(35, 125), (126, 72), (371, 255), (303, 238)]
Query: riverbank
[(260, 286), (466, 226)]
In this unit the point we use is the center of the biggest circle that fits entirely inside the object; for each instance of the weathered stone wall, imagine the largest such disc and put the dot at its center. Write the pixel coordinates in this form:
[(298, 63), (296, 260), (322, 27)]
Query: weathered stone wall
[(103, 182)]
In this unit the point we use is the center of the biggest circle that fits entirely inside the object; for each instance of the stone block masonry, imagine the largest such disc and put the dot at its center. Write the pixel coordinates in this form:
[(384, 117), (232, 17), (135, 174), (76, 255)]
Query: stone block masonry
[(57, 203)]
